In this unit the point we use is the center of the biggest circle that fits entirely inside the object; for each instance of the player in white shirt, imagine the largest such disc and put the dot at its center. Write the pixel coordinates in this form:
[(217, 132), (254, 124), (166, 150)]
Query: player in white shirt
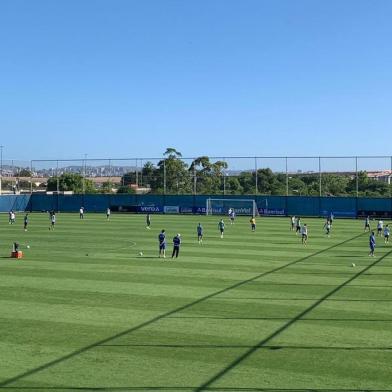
[(108, 213), (367, 224), (52, 220), (81, 213), (232, 217), (386, 234), (292, 220), (297, 225), (327, 227), (304, 232), (380, 226)]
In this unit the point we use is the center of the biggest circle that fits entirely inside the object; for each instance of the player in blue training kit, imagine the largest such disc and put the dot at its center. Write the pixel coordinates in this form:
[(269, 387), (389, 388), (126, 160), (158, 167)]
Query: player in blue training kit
[(199, 233), (162, 244), (372, 244), (176, 245)]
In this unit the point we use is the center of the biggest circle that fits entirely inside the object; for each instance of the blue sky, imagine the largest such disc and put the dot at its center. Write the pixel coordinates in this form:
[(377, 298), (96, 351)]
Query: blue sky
[(125, 78)]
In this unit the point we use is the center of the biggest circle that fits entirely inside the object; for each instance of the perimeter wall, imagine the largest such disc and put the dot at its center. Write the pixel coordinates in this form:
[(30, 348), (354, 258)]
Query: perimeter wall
[(349, 207)]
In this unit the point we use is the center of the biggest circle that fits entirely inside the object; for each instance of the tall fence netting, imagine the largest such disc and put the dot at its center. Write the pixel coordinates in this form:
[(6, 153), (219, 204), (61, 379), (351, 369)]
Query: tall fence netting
[(220, 175)]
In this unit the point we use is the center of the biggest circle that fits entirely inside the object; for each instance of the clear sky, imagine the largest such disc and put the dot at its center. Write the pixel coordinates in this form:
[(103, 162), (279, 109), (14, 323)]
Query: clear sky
[(124, 78)]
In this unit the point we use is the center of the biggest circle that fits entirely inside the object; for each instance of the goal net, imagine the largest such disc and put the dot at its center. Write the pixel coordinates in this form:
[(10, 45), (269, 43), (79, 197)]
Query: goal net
[(240, 206)]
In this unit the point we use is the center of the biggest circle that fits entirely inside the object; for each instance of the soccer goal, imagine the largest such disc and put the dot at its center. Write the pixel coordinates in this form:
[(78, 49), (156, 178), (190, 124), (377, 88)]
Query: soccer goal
[(240, 206)]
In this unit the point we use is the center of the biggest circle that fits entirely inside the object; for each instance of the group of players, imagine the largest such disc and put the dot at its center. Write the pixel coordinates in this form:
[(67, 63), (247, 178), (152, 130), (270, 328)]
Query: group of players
[(199, 229), (295, 225), (12, 219), (380, 231)]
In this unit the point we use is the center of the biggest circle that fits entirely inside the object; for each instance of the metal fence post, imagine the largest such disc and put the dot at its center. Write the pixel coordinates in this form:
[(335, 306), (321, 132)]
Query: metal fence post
[(356, 176), (194, 179), (137, 174), (390, 178), (256, 179), (57, 178), (110, 176), (1, 169), (141, 172), (390, 184), (319, 162), (287, 177), (31, 177), (164, 176)]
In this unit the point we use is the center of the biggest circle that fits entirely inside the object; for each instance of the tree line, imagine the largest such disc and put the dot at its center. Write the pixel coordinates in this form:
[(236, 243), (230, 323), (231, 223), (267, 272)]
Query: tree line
[(172, 175)]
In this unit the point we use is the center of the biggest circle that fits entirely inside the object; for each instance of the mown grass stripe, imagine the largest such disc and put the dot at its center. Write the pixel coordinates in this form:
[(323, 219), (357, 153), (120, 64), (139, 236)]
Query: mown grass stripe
[(82, 350)]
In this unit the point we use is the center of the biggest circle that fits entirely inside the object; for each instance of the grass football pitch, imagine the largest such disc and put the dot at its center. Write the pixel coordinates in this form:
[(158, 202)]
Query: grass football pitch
[(255, 311)]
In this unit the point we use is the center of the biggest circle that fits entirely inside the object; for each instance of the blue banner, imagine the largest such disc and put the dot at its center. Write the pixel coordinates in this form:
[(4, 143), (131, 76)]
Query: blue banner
[(272, 211), (171, 209), (339, 214), (187, 210), (150, 209)]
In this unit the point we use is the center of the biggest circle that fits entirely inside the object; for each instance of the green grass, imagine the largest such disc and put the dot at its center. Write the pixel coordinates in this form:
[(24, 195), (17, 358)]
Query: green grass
[(253, 311)]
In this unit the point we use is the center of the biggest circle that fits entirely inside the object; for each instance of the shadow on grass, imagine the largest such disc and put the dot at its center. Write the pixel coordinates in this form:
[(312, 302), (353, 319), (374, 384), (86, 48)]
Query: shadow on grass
[(207, 384)]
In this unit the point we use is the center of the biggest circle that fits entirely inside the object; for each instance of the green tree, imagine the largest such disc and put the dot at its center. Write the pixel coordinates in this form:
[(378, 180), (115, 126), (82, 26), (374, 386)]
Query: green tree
[(152, 177), (269, 183), (367, 186), (175, 172), (128, 178), (125, 189), (24, 173), (209, 175), (247, 182), (172, 153), (107, 187), (297, 186), (71, 182), (334, 185), (233, 186)]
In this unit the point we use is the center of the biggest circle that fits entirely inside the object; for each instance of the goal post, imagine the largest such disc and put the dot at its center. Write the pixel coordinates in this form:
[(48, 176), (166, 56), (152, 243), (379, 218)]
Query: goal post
[(240, 206)]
